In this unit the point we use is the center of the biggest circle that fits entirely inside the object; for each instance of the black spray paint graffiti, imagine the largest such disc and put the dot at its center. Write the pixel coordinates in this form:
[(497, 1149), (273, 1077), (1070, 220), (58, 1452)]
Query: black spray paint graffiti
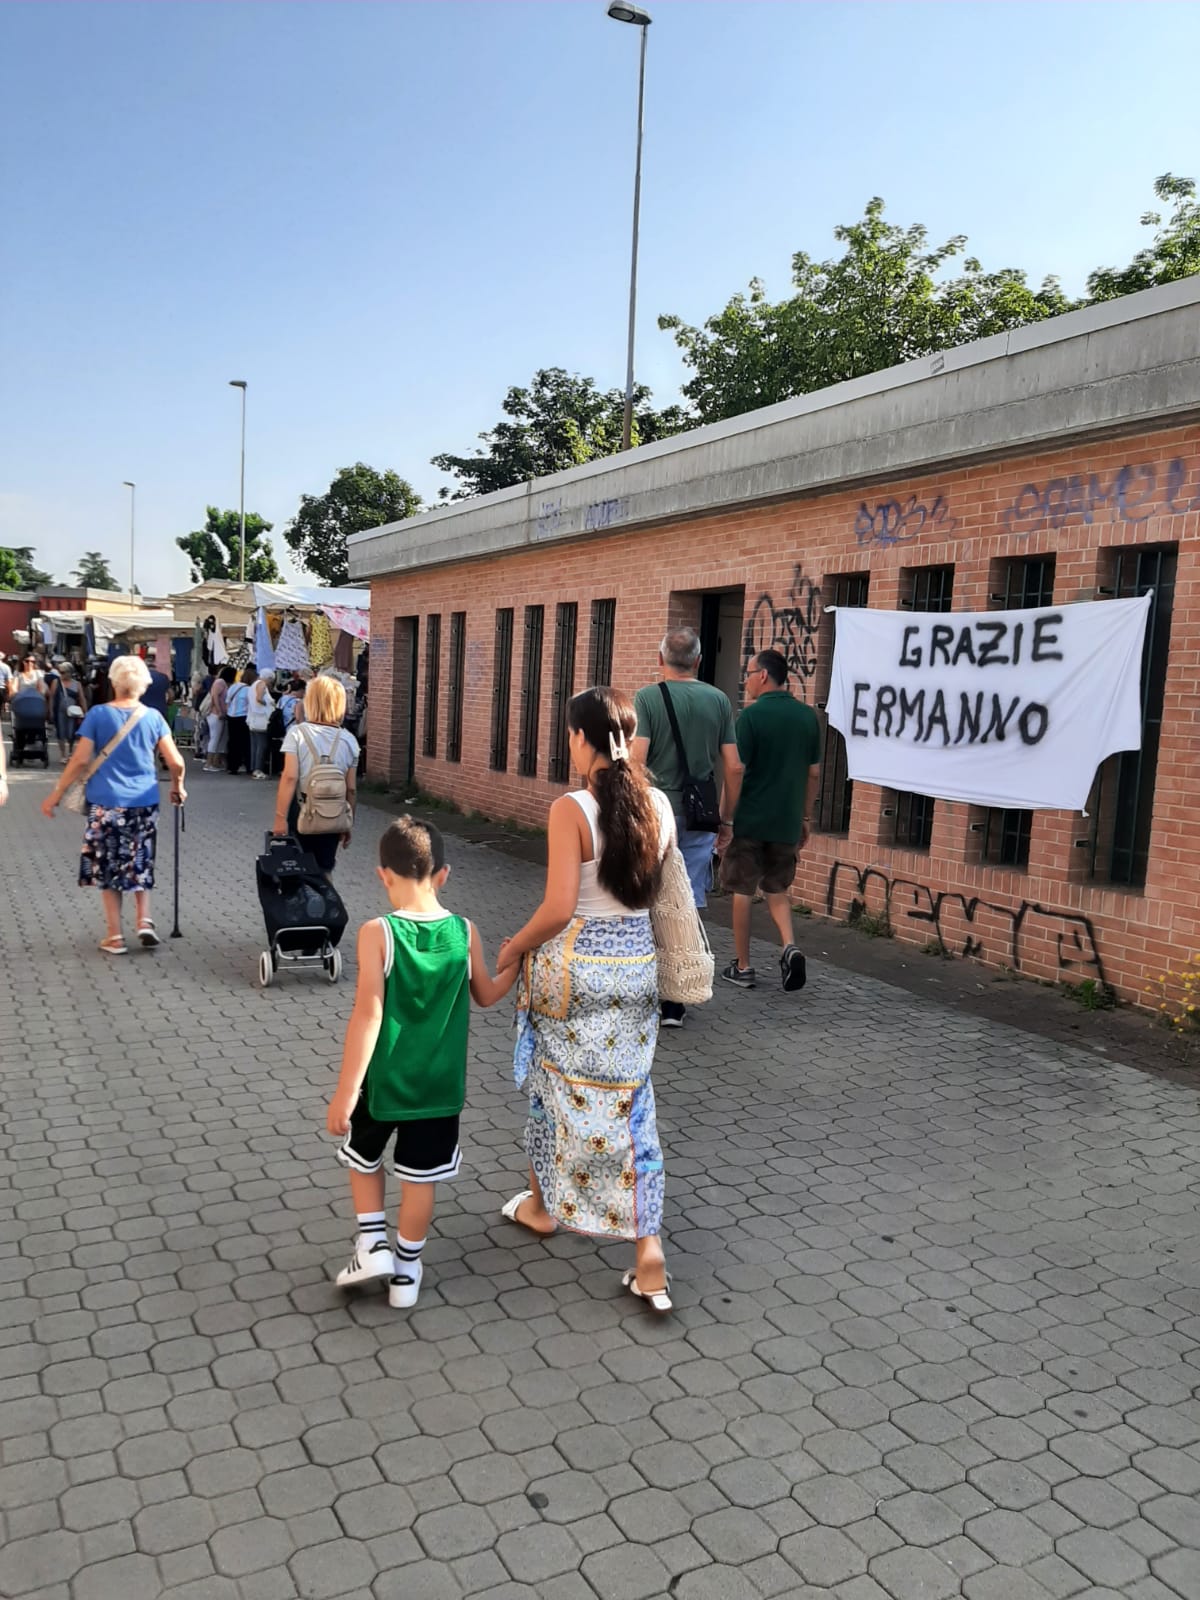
[(1134, 495), (790, 629), (892, 522), (962, 926)]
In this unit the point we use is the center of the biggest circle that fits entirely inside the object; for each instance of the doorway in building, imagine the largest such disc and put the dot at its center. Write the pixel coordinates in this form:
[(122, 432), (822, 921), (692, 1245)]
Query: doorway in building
[(403, 764), (720, 629)]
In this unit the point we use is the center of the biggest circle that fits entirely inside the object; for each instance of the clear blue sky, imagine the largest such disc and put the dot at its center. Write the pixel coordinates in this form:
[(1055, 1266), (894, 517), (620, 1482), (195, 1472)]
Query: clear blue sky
[(382, 215)]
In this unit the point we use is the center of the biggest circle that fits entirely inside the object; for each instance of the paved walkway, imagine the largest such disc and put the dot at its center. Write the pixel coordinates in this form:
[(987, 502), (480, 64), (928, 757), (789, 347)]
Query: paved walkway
[(938, 1287)]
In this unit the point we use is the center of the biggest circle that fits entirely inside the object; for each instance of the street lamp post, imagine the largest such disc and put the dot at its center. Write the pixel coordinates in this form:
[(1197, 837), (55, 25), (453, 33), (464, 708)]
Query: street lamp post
[(622, 11), (240, 383), (132, 487)]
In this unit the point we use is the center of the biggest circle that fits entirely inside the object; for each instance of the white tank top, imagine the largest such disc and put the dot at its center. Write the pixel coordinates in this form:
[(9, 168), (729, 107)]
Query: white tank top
[(594, 900)]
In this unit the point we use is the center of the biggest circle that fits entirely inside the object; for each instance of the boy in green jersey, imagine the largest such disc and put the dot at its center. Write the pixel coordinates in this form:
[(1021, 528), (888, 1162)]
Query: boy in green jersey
[(404, 1064)]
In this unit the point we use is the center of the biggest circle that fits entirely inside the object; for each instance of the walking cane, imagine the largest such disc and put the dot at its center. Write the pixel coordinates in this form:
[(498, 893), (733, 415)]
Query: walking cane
[(180, 826)]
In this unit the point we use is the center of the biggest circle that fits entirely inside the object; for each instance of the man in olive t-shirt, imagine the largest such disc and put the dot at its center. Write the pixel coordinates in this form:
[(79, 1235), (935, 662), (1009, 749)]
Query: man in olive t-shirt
[(779, 742)]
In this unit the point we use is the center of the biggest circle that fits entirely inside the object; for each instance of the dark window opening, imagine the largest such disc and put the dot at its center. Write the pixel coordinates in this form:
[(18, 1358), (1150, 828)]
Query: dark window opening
[(531, 691), (1121, 806), (501, 688), (454, 706), (1006, 834), (836, 792), (927, 589), (433, 678), (566, 624), (600, 647)]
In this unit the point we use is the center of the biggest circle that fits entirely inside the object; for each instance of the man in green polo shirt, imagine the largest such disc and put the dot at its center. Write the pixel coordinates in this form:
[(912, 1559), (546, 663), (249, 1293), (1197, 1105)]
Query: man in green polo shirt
[(779, 744)]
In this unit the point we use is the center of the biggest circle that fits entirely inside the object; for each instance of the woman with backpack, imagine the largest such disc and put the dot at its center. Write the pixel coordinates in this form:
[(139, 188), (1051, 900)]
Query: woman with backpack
[(318, 752)]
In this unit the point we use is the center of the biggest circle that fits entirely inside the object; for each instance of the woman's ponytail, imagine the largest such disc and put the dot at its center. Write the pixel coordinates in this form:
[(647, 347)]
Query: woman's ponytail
[(630, 863)]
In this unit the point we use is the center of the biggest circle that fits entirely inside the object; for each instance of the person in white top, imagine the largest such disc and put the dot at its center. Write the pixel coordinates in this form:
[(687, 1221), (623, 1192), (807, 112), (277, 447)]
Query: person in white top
[(588, 1008), (258, 717), (321, 737)]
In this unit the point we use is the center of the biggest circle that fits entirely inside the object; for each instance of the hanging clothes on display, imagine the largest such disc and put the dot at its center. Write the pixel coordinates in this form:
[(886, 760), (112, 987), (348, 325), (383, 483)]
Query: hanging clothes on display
[(264, 650), (198, 647), (215, 654), (320, 641), (291, 652)]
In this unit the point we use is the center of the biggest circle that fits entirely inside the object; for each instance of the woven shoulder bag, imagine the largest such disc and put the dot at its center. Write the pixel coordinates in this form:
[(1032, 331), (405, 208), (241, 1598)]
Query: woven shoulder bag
[(685, 961)]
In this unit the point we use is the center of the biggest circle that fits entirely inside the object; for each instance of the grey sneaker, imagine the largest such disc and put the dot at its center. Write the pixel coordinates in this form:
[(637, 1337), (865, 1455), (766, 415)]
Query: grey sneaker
[(740, 977)]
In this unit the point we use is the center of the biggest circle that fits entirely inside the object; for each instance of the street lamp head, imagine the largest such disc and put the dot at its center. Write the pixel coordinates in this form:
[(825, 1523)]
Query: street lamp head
[(623, 11), (237, 383), (128, 485)]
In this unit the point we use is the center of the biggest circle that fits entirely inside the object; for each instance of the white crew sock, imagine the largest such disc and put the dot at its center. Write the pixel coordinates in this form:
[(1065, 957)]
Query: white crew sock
[(372, 1227), (408, 1256)]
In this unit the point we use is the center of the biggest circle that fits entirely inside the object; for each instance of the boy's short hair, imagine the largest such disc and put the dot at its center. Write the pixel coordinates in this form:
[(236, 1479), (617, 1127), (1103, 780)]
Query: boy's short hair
[(412, 849)]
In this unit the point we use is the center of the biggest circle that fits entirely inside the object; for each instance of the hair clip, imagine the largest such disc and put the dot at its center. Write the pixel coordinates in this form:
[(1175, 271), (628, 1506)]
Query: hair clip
[(618, 747)]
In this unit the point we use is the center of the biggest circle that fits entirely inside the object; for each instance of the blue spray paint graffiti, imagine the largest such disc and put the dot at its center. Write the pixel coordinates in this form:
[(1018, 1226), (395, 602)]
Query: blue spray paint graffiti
[(1134, 495), (603, 513), (890, 522)]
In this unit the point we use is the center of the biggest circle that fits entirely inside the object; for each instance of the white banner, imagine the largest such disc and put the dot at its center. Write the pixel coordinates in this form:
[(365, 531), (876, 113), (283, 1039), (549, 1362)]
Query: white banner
[(1000, 708)]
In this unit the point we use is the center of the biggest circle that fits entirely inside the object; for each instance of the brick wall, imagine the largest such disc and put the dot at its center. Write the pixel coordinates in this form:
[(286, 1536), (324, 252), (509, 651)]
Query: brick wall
[(1086, 506)]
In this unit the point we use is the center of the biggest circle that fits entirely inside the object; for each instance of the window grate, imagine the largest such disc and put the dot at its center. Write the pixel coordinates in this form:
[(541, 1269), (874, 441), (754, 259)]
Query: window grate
[(1006, 833), (836, 792), (501, 688), (929, 589), (433, 678), (1121, 806), (454, 707), (600, 647), (566, 626), (531, 691)]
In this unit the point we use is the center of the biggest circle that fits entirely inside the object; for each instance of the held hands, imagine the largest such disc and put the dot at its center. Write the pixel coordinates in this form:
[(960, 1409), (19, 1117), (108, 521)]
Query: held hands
[(507, 958), (337, 1118)]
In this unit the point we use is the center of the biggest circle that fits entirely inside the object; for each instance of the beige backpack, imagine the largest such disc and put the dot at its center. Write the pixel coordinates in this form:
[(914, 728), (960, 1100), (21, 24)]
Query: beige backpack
[(325, 803)]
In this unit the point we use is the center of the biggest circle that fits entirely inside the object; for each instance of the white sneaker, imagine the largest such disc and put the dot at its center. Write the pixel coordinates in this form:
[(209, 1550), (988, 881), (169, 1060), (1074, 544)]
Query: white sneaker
[(372, 1259), (405, 1286)]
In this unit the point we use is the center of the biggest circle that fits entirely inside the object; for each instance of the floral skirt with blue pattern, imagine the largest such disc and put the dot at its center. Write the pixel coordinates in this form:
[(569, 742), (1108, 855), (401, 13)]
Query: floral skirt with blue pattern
[(587, 1025), (118, 848)]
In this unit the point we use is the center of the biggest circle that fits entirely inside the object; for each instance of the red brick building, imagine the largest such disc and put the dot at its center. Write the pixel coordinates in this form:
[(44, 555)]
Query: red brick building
[(1057, 464)]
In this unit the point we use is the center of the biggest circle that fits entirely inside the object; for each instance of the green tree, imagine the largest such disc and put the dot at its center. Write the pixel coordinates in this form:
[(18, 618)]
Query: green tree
[(28, 576), (358, 498), (1175, 252), (10, 572), (93, 572), (560, 421), (880, 303), (214, 549)]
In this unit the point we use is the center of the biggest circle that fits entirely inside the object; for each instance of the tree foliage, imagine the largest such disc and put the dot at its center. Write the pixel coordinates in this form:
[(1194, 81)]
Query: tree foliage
[(93, 572), (214, 549), (358, 498), (560, 421), (16, 563), (888, 299), (1175, 252)]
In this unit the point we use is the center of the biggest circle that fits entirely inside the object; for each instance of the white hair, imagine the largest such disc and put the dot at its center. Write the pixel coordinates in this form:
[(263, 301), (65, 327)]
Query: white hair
[(680, 649), (129, 676)]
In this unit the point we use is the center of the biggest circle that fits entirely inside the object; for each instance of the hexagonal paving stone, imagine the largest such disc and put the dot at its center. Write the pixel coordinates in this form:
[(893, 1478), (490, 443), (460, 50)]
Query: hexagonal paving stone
[(336, 1568), (734, 1536), (257, 1546), (824, 1557), (649, 1515), (538, 1552), (454, 1531)]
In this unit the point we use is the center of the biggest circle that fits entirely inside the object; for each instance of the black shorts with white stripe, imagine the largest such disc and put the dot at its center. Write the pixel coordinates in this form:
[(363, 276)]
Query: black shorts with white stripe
[(426, 1151)]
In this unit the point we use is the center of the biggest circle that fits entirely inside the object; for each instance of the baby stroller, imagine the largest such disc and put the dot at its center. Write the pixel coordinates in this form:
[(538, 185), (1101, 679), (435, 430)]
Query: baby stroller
[(28, 712), (303, 912)]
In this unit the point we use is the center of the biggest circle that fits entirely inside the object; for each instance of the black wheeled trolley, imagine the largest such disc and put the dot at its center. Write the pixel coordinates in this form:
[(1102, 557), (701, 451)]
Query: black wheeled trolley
[(304, 914)]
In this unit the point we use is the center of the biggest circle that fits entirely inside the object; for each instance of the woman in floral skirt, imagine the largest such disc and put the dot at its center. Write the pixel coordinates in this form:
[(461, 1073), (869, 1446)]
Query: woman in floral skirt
[(588, 1006), (122, 798)]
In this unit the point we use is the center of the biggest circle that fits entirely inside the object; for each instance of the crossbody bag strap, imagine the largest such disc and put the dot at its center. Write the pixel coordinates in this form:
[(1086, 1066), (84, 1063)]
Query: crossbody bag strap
[(135, 716), (684, 772)]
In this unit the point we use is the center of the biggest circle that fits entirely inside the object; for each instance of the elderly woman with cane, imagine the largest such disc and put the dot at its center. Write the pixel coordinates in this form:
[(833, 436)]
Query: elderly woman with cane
[(114, 761)]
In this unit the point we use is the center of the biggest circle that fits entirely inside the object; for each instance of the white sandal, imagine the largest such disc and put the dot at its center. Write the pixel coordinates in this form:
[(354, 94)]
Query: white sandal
[(659, 1300), (148, 934), (509, 1212)]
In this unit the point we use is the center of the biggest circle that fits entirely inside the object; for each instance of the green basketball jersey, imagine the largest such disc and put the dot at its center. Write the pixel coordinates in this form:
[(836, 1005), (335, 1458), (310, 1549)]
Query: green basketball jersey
[(419, 1064)]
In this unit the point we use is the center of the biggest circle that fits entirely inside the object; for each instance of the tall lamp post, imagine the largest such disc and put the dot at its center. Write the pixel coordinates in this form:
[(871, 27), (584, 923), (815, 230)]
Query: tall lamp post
[(132, 487), (240, 383), (623, 11)]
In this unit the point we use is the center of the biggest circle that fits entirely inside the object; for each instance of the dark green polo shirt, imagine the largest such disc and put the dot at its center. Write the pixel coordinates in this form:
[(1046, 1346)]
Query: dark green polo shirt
[(778, 740)]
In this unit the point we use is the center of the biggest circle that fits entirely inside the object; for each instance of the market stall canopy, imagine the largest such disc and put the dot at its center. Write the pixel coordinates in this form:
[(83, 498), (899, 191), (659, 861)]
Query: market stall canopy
[(110, 625), (233, 603)]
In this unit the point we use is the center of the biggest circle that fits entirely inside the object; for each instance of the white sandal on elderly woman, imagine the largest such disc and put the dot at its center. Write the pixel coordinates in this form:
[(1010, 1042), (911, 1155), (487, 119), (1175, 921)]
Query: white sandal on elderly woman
[(658, 1299), (509, 1212)]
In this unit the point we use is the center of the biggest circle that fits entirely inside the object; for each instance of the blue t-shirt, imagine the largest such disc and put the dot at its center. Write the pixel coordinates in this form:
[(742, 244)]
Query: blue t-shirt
[(156, 695), (238, 703), (129, 777)]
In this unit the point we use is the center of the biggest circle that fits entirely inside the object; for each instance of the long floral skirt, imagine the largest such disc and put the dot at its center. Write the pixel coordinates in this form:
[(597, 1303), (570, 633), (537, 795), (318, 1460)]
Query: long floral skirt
[(587, 1025), (118, 848)]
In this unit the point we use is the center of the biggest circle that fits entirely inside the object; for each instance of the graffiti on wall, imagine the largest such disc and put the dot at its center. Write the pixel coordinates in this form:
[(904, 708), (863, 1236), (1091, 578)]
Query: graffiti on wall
[(549, 518), (790, 628), (602, 514), (1132, 495), (893, 522), (965, 926)]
